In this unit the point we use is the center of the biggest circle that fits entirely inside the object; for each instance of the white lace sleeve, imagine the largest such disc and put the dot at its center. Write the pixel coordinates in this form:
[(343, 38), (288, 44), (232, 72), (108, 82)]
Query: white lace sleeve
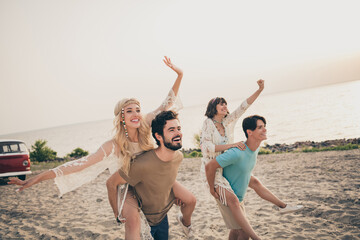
[(235, 115), (171, 102), (207, 139), (232, 118), (74, 174)]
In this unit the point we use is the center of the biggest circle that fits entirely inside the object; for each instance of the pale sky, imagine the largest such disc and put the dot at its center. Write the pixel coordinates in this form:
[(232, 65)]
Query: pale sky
[(63, 62)]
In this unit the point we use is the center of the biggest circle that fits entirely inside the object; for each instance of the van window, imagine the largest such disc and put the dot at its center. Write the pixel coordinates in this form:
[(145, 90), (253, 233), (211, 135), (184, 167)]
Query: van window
[(14, 147), (5, 148), (23, 147)]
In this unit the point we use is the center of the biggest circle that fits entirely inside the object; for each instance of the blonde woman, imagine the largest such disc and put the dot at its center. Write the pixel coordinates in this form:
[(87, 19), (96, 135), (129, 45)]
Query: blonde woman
[(132, 136)]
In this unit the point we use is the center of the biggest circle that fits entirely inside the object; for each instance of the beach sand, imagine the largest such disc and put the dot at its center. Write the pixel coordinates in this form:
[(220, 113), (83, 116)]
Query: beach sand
[(326, 183)]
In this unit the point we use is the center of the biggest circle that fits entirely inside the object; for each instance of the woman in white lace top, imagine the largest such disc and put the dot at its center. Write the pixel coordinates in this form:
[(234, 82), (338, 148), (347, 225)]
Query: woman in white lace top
[(217, 135), (132, 137)]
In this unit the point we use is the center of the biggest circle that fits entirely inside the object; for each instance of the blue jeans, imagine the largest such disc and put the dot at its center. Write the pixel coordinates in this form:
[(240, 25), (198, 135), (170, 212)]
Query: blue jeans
[(161, 231)]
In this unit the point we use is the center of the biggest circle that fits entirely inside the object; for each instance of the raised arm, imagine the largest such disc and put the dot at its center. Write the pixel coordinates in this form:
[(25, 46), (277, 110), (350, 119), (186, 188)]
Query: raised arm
[(68, 168), (171, 99), (255, 95), (235, 115), (178, 71)]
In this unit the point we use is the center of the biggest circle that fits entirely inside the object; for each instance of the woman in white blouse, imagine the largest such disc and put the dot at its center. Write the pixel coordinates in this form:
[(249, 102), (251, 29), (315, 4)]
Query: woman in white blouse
[(217, 135), (132, 136)]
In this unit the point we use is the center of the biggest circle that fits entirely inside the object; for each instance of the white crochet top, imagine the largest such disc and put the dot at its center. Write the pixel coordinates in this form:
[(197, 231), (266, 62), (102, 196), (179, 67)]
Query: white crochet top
[(210, 137)]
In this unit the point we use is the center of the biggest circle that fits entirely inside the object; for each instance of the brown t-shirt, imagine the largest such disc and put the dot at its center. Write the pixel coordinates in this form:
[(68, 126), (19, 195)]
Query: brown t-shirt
[(153, 179)]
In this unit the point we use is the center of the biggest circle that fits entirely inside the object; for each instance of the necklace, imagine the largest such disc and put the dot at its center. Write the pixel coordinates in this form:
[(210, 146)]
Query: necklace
[(214, 121), (220, 128)]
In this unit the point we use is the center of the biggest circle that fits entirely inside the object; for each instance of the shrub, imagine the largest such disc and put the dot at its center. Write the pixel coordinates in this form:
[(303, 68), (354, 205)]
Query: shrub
[(41, 153), (264, 151), (348, 146), (78, 153), (197, 139), (193, 154)]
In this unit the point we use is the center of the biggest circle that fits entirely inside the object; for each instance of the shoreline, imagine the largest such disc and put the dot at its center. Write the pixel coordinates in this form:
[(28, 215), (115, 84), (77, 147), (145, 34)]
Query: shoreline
[(311, 144), (301, 146)]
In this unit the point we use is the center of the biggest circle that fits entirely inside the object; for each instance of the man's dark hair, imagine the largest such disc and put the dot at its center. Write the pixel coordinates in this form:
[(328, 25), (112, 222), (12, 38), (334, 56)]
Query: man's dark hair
[(250, 123), (211, 107), (159, 122)]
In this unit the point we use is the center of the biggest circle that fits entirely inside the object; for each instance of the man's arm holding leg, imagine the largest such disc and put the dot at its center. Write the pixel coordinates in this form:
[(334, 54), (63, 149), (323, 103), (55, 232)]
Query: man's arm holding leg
[(210, 169), (111, 185)]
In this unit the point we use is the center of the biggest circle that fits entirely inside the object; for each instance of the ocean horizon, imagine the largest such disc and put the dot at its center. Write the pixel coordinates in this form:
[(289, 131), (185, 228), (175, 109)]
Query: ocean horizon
[(315, 114)]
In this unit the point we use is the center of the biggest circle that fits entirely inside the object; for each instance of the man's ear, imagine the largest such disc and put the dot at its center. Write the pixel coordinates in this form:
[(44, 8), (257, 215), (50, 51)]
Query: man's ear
[(159, 137), (249, 132)]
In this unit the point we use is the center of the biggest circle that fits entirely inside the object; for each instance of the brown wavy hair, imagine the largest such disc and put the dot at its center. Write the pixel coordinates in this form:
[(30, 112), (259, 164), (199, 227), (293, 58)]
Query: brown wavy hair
[(211, 107)]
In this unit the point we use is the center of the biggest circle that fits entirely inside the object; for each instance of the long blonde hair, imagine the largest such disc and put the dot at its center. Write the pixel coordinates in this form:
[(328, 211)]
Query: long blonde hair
[(120, 138)]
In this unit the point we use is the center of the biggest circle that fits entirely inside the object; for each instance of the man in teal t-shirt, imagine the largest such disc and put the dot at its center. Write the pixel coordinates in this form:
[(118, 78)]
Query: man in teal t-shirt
[(238, 166)]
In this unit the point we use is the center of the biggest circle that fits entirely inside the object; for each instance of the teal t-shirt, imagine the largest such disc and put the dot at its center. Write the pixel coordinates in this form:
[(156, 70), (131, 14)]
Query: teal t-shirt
[(238, 166)]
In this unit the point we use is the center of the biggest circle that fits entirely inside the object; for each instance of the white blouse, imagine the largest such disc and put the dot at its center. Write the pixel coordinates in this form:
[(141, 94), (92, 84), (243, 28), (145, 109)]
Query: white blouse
[(210, 137)]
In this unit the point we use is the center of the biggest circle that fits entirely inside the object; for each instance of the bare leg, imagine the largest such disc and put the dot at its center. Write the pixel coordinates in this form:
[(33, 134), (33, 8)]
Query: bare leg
[(188, 199), (131, 213), (265, 193), (130, 210), (111, 185), (238, 213), (238, 234)]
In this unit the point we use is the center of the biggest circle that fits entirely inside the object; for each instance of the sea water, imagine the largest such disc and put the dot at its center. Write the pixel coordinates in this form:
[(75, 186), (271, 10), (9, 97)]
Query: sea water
[(315, 114)]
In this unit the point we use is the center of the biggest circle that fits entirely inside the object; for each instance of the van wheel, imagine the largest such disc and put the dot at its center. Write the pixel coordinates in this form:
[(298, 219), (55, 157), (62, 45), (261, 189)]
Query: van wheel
[(22, 177)]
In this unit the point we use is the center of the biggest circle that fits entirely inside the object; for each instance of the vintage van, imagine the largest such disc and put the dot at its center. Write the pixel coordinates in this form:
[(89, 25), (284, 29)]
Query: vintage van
[(14, 159)]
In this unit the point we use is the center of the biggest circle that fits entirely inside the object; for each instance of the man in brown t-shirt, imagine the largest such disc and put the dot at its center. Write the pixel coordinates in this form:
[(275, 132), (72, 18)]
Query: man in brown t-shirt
[(153, 173), (153, 179)]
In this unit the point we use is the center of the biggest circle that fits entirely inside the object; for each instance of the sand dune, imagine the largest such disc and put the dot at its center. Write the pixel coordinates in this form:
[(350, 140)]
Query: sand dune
[(326, 183)]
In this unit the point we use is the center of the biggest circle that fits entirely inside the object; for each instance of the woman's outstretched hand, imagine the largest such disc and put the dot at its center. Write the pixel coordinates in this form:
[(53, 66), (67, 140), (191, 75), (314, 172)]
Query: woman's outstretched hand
[(261, 84), (168, 62), (25, 184)]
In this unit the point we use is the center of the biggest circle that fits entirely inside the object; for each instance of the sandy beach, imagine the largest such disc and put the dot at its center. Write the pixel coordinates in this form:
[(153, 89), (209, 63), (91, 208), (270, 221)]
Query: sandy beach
[(326, 183)]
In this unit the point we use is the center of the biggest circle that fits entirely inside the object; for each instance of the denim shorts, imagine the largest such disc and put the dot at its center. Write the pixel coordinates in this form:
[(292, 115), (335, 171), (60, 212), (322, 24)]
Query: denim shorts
[(161, 231)]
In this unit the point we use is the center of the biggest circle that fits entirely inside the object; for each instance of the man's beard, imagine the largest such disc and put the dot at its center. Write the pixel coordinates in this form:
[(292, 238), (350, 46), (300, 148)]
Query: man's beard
[(171, 146)]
